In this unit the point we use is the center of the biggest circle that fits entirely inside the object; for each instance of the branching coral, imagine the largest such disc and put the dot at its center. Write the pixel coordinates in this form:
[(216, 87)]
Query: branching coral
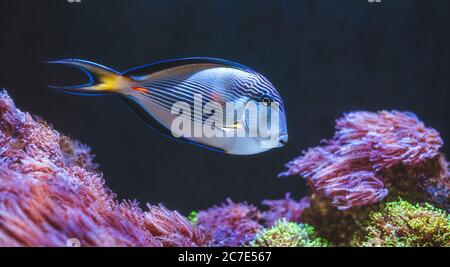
[(288, 234), (230, 224), (372, 154), (50, 192), (400, 223)]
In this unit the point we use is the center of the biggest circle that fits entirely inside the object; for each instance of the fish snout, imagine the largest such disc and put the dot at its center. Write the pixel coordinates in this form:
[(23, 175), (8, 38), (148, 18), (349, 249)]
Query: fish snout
[(282, 140)]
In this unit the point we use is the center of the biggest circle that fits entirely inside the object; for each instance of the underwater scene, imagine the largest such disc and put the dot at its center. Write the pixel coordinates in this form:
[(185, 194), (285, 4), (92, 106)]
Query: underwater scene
[(224, 123)]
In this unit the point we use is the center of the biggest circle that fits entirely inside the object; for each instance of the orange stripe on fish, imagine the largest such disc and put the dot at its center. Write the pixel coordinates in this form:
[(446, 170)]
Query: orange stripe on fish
[(140, 89)]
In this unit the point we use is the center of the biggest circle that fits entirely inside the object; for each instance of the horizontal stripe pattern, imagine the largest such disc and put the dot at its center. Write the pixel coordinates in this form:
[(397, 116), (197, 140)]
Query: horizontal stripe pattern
[(214, 85)]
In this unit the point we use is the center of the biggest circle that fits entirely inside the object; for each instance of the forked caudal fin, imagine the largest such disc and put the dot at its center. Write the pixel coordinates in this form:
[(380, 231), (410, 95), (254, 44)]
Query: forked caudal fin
[(102, 80)]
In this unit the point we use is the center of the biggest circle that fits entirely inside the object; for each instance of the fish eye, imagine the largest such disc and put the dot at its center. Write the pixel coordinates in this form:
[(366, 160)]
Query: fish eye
[(266, 100)]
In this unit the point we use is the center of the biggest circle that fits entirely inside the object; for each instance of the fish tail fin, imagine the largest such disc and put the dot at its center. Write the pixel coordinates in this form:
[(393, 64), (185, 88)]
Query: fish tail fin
[(102, 80)]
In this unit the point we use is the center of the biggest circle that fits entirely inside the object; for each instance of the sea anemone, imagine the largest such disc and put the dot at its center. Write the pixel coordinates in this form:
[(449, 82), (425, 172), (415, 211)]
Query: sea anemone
[(230, 224), (373, 154), (288, 234), (400, 223), (51, 193)]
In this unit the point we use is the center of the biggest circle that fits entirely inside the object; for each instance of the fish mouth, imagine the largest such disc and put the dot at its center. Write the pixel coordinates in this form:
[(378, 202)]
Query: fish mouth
[(282, 140)]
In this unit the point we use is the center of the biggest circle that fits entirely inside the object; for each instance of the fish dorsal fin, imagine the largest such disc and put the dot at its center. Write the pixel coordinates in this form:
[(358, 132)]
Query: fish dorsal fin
[(167, 64)]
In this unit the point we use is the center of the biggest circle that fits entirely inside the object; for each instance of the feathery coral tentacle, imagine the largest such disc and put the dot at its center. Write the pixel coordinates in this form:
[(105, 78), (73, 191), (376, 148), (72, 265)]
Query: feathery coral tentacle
[(358, 166), (50, 192)]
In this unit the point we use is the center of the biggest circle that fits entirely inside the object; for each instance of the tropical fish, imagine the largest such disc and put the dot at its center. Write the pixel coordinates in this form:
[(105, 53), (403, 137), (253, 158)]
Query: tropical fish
[(152, 91)]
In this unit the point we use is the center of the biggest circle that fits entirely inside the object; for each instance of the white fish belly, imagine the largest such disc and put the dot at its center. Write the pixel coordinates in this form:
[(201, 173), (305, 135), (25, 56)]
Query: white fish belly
[(166, 119)]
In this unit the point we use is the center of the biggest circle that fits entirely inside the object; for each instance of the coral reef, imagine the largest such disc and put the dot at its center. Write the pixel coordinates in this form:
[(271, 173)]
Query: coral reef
[(401, 224), (286, 208), (235, 224), (288, 234), (372, 157), (51, 191), (372, 154), (230, 224), (335, 225)]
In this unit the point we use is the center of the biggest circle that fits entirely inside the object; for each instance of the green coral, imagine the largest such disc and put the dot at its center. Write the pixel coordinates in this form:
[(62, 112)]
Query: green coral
[(192, 217), (335, 225), (401, 224), (288, 234)]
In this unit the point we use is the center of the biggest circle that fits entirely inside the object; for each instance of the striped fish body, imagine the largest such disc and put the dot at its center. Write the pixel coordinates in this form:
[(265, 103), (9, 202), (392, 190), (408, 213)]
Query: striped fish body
[(154, 90)]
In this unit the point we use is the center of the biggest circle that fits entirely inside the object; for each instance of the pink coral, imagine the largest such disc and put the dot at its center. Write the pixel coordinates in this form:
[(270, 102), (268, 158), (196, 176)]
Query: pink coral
[(51, 191), (287, 208), (230, 224), (350, 169)]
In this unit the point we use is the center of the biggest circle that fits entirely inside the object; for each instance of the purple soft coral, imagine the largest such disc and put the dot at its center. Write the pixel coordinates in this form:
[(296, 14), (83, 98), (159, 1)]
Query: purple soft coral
[(347, 168), (287, 208), (230, 224), (51, 192)]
